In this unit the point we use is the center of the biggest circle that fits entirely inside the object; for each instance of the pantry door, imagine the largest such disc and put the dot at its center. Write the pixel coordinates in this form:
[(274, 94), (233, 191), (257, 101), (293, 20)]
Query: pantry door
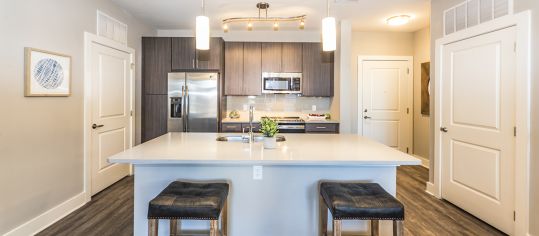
[(478, 120), (385, 110), (111, 74)]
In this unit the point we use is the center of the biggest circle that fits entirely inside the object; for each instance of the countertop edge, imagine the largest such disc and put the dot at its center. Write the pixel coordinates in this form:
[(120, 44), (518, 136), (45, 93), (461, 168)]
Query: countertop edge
[(265, 162)]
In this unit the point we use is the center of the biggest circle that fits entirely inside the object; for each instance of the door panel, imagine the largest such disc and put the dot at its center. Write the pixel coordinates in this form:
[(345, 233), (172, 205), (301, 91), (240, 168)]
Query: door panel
[(233, 68), (156, 64), (202, 103), (183, 53), (111, 107), (387, 102), (478, 100), (252, 69)]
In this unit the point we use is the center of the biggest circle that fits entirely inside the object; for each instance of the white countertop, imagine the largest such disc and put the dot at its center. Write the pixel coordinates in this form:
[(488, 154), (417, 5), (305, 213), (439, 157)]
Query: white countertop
[(298, 149)]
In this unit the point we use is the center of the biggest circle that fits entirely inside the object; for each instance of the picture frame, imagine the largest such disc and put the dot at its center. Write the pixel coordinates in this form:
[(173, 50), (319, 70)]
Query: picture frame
[(425, 88), (47, 74)]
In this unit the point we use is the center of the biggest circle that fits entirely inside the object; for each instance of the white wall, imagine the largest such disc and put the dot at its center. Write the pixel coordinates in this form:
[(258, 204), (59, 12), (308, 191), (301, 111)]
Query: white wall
[(421, 122), (41, 139)]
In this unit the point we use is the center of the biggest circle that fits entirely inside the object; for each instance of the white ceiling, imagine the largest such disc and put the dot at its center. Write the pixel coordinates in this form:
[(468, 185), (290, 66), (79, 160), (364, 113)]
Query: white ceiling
[(365, 15)]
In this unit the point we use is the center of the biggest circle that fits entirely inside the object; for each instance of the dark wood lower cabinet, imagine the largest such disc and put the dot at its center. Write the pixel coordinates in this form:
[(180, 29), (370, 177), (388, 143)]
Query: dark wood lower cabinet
[(322, 128), (154, 116)]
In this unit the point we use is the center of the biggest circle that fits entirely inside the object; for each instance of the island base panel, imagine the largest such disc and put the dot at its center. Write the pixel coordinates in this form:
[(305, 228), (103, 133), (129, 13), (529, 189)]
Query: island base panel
[(284, 202)]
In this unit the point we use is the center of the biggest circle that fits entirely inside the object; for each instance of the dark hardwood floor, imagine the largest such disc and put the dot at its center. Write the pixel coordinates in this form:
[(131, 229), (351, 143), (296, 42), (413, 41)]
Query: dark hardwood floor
[(111, 211)]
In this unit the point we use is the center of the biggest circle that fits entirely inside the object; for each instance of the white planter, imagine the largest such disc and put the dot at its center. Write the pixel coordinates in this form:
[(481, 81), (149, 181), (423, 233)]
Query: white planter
[(270, 142)]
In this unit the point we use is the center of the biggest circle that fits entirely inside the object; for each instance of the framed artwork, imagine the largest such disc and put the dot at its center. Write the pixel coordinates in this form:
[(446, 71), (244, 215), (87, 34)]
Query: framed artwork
[(425, 88), (46, 74)]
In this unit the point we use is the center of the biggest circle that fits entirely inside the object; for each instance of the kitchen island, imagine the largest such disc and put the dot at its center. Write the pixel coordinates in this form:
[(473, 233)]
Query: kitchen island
[(283, 198)]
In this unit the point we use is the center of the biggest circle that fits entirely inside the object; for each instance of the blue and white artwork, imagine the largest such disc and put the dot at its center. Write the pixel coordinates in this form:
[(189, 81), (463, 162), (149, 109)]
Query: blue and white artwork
[(48, 74)]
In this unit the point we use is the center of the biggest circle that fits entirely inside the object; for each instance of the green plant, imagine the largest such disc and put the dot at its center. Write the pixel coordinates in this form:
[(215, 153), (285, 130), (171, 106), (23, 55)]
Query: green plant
[(268, 127)]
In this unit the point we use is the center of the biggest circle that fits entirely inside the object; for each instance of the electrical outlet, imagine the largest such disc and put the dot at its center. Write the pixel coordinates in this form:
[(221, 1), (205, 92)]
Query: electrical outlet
[(258, 172), (313, 107)]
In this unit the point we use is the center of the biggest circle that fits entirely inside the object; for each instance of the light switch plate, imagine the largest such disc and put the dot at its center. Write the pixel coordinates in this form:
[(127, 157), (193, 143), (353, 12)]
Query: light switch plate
[(258, 172)]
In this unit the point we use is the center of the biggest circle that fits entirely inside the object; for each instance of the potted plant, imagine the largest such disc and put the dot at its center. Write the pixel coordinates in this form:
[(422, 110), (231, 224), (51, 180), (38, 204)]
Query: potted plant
[(268, 128)]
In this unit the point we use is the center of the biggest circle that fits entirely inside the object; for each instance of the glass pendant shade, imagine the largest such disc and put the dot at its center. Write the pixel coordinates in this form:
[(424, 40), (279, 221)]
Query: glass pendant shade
[(329, 34), (202, 33)]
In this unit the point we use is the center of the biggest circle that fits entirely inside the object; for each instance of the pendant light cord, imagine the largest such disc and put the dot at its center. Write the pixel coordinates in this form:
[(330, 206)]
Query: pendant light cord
[(327, 1), (203, 8)]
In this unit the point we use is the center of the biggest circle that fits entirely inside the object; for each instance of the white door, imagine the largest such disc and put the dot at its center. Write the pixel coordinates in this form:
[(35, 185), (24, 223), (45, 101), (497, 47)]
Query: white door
[(386, 112), (110, 113), (478, 119)]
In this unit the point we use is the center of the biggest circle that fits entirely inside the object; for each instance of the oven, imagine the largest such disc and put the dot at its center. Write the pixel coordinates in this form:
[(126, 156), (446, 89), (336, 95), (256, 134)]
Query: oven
[(281, 82)]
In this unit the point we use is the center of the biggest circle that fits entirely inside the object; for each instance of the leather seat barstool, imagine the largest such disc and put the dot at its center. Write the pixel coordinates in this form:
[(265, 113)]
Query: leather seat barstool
[(189, 201), (358, 201)]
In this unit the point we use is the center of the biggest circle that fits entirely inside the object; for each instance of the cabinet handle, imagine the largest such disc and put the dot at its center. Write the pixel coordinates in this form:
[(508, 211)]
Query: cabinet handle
[(321, 127), (193, 62)]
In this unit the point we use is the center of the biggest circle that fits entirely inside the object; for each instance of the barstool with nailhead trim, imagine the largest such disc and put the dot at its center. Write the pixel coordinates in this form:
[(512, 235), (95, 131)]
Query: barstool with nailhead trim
[(358, 201), (189, 201)]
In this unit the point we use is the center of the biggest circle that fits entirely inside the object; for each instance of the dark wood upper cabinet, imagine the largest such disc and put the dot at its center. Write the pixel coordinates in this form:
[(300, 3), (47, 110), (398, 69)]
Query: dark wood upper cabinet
[(156, 64), (211, 59), (317, 73), (183, 54), (252, 68), (234, 68), (271, 57), (292, 60)]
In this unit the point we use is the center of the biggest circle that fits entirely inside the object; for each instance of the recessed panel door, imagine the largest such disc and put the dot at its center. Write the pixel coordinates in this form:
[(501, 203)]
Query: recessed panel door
[(478, 118), (386, 111), (111, 120)]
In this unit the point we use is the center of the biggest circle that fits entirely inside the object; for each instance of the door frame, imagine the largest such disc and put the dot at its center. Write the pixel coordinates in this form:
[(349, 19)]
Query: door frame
[(90, 38), (522, 22), (410, 60)]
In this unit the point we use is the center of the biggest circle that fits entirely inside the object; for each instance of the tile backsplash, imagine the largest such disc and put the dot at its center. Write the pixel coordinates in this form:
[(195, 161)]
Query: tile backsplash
[(279, 103)]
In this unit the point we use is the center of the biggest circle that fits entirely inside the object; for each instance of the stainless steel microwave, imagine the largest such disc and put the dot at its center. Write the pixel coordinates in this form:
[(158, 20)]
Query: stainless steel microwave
[(281, 82)]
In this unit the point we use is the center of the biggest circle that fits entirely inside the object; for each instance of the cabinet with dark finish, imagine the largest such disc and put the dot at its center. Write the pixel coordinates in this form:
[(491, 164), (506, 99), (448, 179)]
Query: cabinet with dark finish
[(231, 128), (154, 116), (252, 69), (211, 59), (183, 54), (234, 68), (156, 64), (331, 128), (292, 60), (271, 57), (317, 71)]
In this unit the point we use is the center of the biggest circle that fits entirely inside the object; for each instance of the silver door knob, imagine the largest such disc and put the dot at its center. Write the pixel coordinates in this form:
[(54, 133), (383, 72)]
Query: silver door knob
[(443, 129), (94, 126), (366, 117)]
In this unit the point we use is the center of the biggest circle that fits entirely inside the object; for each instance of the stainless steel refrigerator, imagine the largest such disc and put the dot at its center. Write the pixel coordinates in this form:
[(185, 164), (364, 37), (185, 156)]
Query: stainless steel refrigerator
[(193, 102)]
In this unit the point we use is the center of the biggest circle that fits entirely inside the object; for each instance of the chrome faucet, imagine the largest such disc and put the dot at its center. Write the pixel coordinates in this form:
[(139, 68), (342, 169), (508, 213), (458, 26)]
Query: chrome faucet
[(251, 136)]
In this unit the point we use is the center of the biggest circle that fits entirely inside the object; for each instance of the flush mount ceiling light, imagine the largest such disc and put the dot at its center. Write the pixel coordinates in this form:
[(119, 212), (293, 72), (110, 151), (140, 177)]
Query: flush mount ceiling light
[(398, 20), (274, 21), (329, 32), (202, 32)]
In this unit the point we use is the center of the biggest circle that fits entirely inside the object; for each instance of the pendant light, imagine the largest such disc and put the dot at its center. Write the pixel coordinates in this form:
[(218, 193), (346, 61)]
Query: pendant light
[(329, 32), (202, 33)]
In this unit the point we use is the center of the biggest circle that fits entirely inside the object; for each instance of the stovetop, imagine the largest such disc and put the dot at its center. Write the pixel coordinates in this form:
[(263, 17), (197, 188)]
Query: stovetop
[(287, 119)]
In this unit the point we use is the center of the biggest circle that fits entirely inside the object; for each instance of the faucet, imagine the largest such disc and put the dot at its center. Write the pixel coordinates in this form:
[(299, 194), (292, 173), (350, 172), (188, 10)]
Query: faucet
[(251, 117)]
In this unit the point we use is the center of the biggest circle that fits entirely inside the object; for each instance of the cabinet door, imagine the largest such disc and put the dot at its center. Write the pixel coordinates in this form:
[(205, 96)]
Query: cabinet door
[(156, 59), (252, 69), (292, 60), (211, 59), (317, 75), (183, 53), (271, 57), (154, 116), (233, 68)]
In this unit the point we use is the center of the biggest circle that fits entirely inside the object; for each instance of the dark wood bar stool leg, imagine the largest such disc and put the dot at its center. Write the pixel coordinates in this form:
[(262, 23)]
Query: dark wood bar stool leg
[(398, 228), (214, 227), (174, 227), (323, 213), (337, 227), (153, 227), (375, 228), (224, 220)]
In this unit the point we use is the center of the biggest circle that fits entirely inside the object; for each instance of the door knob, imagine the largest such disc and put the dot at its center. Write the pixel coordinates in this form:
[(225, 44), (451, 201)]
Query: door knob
[(94, 126), (443, 129), (366, 117)]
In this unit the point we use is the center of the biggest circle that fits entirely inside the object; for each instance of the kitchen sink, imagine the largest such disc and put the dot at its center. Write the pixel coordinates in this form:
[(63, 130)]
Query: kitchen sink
[(245, 138)]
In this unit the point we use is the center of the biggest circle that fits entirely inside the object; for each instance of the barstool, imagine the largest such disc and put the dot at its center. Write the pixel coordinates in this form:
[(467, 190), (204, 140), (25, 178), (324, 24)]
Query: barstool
[(189, 201), (358, 201)]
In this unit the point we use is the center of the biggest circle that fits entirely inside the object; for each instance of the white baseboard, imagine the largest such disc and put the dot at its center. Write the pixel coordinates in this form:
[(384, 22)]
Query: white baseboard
[(424, 161), (431, 189), (49, 217)]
